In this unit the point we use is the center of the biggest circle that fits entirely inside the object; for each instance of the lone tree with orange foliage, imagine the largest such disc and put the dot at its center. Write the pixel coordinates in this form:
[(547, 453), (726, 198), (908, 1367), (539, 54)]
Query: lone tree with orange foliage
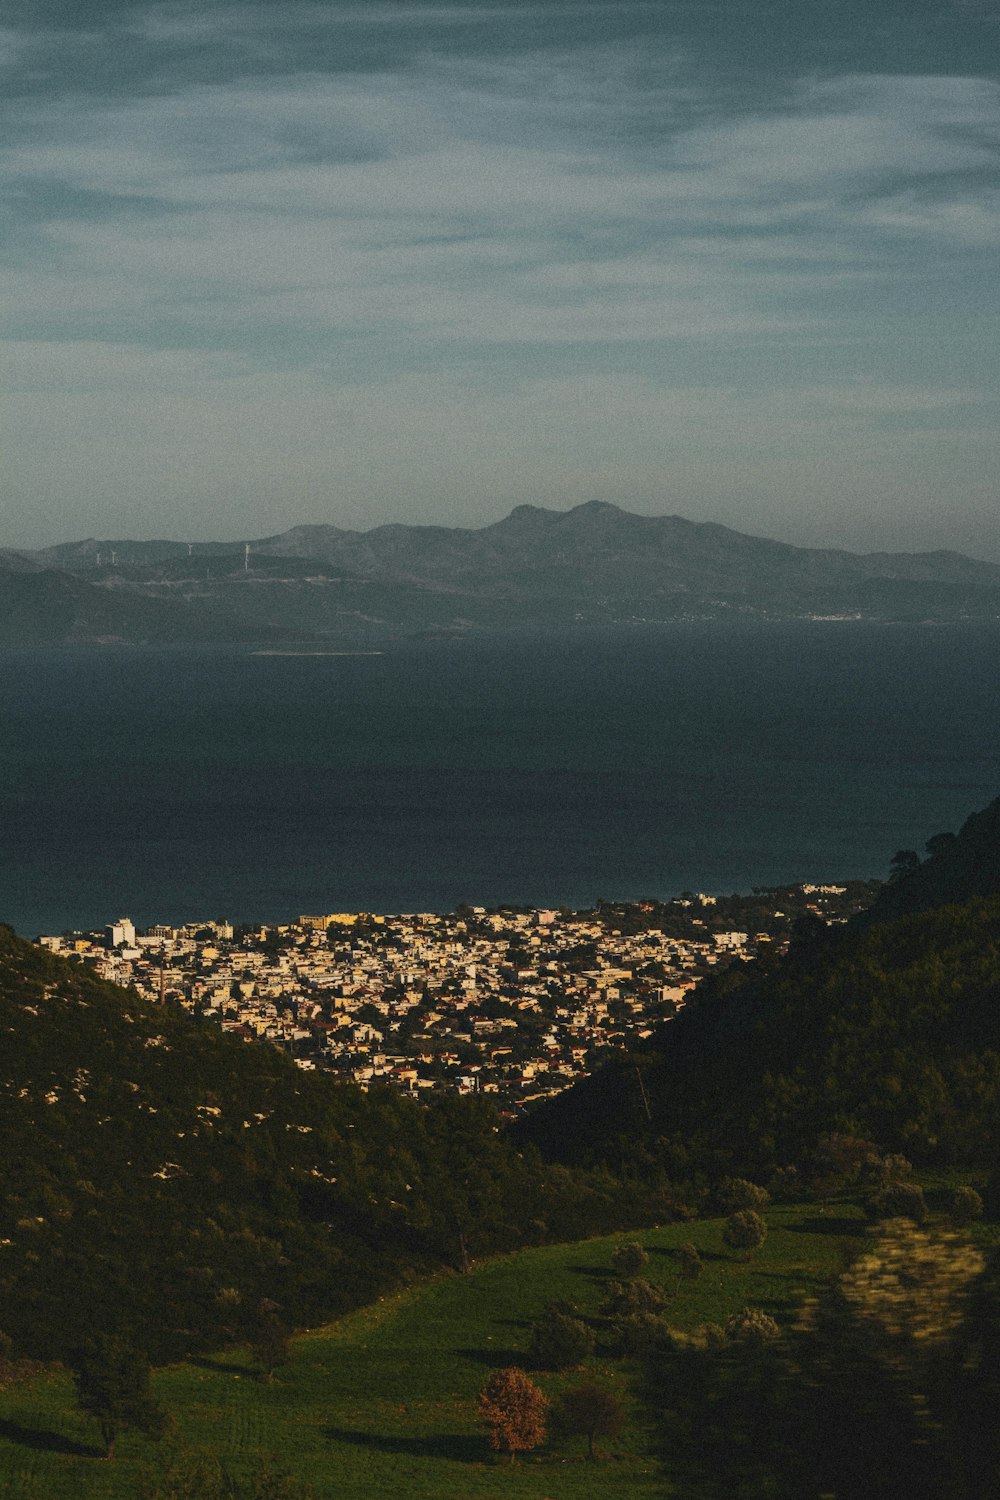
[(513, 1409)]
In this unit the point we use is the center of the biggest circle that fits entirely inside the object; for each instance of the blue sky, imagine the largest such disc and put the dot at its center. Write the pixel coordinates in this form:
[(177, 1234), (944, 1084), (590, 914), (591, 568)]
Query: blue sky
[(358, 262)]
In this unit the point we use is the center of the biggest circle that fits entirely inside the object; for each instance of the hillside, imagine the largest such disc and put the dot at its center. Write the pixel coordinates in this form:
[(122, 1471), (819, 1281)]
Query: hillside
[(888, 1029), (161, 1177), (384, 1400), (593, 565), (957, 867)]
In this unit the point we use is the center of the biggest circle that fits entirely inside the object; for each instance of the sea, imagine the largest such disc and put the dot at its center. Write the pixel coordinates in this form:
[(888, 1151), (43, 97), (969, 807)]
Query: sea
[(546, 770)]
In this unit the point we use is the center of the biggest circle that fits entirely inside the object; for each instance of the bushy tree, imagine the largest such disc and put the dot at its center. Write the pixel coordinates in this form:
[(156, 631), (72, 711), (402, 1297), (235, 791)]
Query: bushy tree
[(269, 1341), (639, 1333), (836, 1162), (892, 1169), (688, 1261), (560, 1342), (590, 1411), (629, 1259), (900, 1200), (628, 1297), (907, 1292), (112, 1386), (513, 1409), (745, 1231), (785, 1183), (752, 1325), (738, 1192), (965, 1205), (886, 1384)]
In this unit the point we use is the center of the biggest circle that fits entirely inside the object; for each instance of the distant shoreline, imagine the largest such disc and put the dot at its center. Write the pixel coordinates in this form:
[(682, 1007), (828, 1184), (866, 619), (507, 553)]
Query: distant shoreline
[(317, 653)]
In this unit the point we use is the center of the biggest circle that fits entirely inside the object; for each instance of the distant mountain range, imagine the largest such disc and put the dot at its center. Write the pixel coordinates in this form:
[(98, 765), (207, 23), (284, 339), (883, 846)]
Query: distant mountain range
[(594, 565)]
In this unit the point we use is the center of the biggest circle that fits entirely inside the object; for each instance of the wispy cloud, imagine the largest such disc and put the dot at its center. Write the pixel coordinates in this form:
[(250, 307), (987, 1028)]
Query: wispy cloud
[(485, 198)]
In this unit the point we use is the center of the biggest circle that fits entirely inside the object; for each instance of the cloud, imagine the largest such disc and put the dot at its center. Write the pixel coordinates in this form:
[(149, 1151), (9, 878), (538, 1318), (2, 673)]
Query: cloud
[(350, 204), (556, 260)]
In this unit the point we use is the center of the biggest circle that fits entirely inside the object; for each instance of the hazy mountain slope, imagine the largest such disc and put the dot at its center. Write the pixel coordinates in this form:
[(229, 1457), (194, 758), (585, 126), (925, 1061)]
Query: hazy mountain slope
[(592, 565), (45, 607)]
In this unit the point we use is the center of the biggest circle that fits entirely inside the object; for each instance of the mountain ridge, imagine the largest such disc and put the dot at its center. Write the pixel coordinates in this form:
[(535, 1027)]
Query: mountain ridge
[(596, 565)]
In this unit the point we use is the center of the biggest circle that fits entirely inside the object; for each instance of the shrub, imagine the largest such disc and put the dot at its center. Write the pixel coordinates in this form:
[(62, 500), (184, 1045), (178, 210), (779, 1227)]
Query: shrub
[(560, 1342), (640, 1333), (626, 1298), (738, 1192), (785, 1183), (629, 1259), (745, 1230), (965, 1205), (752, 1326), (688, 1261), (901, 1200)]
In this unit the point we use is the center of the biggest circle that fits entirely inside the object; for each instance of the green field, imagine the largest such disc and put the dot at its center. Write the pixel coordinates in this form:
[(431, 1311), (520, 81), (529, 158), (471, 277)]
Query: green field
[(385, 1399)]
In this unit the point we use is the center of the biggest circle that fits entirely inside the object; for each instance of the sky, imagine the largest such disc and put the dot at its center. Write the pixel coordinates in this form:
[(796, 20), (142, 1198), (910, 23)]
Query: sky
[(377, 260)]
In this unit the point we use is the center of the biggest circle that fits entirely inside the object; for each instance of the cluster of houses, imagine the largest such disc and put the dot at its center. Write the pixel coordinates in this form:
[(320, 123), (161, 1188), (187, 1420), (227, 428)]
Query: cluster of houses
[(512, 1003)]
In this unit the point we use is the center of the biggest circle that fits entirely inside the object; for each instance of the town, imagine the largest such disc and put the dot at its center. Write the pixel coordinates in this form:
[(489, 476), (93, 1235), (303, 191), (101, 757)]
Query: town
[(516, 1003)]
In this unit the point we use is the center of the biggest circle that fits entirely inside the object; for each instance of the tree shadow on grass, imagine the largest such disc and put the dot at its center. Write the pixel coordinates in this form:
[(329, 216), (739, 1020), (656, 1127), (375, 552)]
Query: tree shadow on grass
[(224, 1366), (593, 1273), (47, 1442), (495, 1359), (459, 1447), (670, 1251), (828, 1224)]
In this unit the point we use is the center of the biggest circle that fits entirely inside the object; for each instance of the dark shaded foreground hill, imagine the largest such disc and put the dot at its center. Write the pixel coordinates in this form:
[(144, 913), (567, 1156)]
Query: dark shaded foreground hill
[(887, 1030), (957, 867), (162, 1179)]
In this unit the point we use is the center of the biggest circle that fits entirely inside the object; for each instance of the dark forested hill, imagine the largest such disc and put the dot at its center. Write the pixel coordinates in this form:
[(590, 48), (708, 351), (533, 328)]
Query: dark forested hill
[(160, 1178), (888, 1029), (593, 565), (957, 867)]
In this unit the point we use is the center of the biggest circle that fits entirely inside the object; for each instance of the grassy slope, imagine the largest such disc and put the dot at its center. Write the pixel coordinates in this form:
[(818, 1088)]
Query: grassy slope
[(385, 1398)]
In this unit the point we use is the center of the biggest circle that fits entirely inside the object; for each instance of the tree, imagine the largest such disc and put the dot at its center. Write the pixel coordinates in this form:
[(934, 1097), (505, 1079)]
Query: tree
[(513, 1409), (737, 1192), (589, 1411), (688, 1261), (269, 1341), (752, 1325), (907, 1293), (885, 1385), (965, 1205), (900, 1200), (745, 1231), (112, 1386), (560, 1342), (903, 863), (640, 1332), (628, 1297), (629, 1259), (837, 1161)]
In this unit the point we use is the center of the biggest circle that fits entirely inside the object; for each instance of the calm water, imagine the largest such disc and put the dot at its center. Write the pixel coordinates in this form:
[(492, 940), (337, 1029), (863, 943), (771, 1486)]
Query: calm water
[(174, 785)]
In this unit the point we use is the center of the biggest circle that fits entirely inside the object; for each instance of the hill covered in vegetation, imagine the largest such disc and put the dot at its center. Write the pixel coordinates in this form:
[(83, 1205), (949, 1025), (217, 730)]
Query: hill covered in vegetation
[(162, 1179), (957, 867), (887, 1029)]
